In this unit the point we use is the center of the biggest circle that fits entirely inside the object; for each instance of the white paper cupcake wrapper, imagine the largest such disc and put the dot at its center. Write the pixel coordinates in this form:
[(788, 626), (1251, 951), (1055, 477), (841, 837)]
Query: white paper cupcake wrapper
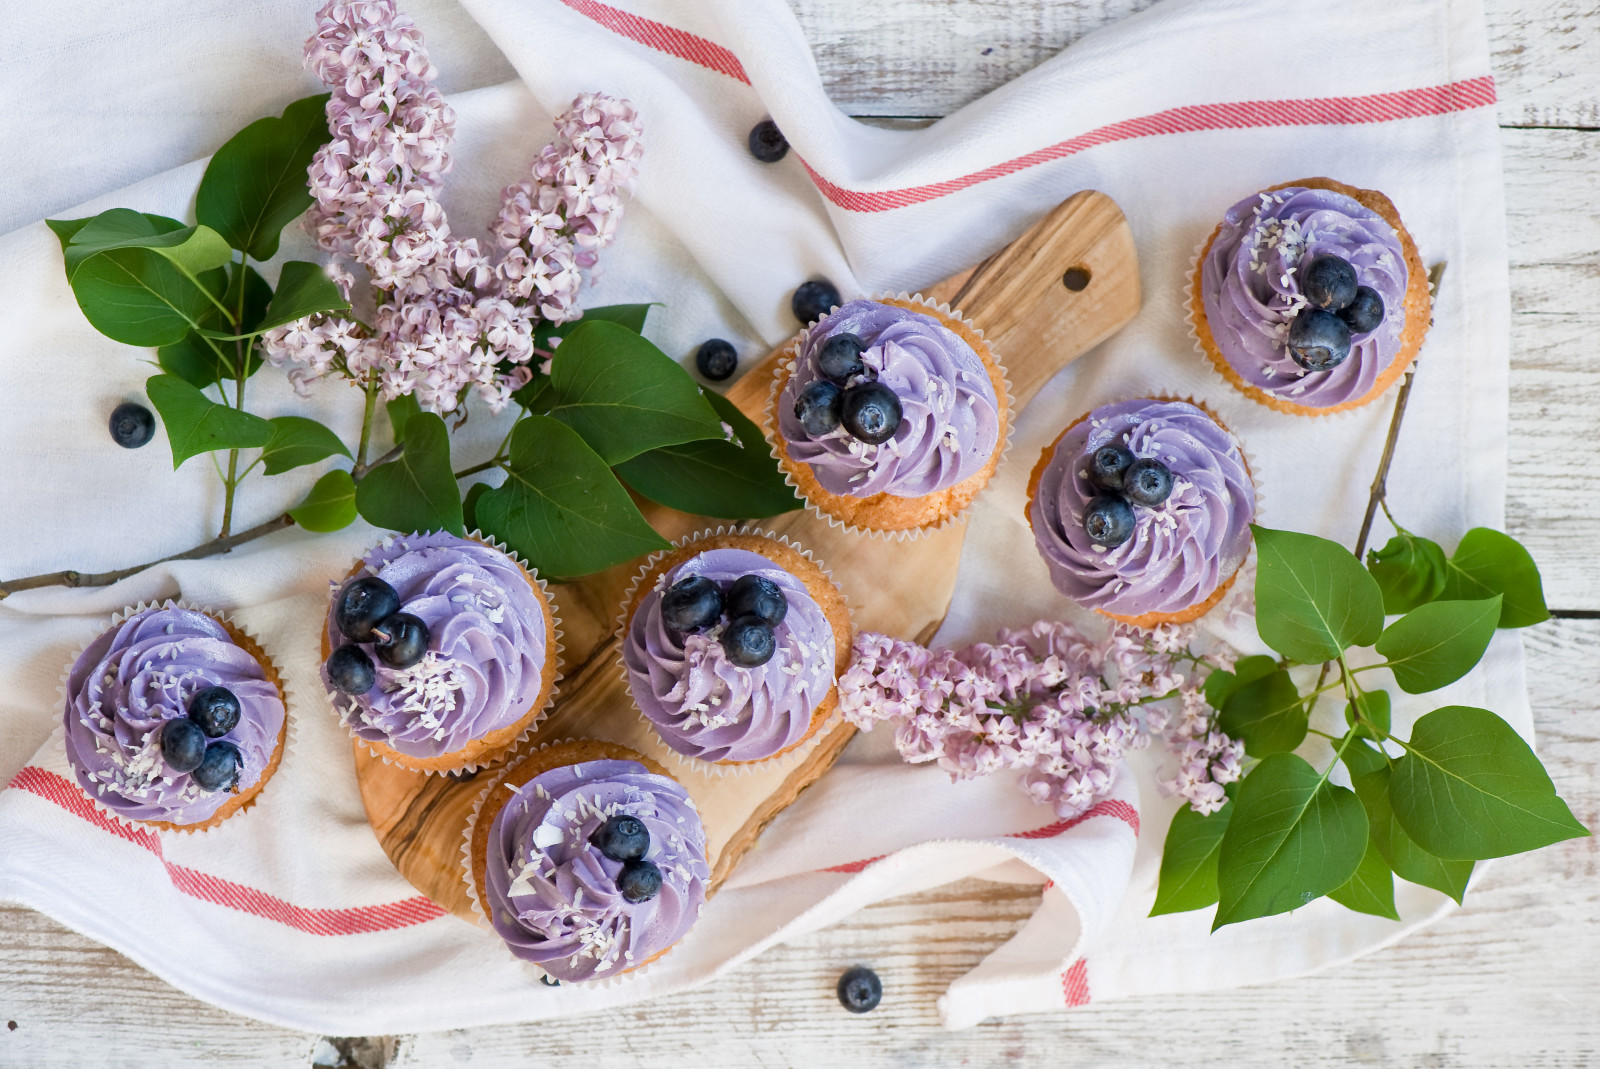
[(554, 648), (769, 427), (782, 762), (58, 735)]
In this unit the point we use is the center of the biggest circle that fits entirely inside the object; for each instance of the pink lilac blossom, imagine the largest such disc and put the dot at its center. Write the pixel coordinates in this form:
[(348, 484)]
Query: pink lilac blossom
[(449, 318), (1051, 704)]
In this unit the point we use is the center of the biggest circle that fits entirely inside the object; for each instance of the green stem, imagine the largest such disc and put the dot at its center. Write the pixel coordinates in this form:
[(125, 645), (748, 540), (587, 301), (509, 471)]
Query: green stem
[(485, 466), (366, 422), (228, 484)]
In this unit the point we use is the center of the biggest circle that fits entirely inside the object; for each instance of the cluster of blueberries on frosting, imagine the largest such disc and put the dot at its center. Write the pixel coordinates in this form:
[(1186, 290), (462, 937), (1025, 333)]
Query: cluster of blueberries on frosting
[(1319, 335), (753, 606), (626, 839), (1123, 481), (847, 395), (369, 612), (187, 746)]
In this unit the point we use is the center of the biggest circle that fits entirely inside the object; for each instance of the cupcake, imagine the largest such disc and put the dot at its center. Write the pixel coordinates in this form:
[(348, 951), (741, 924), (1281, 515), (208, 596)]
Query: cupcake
[(1311, 297), (731, 645), (891, 415), (439, 652), (173, 717), (1142, 511), (588, 860)]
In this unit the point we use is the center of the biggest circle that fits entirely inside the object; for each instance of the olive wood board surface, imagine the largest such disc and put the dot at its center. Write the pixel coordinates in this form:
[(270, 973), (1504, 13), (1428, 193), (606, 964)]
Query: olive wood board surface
[(1058, 290)]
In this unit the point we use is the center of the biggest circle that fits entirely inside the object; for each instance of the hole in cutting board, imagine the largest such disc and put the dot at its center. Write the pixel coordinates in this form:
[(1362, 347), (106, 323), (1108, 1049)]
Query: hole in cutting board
[(1076, 279)]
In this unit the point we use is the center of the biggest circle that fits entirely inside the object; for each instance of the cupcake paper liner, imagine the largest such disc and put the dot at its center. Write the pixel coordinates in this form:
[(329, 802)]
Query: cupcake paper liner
[(791, 353), (781, 762)]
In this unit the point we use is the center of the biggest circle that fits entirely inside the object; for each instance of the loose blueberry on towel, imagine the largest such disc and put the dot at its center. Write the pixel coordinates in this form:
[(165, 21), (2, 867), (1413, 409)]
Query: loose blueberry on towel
[(622, 838), (870, 412), (183, 745), (756, 595), (549, 981), (132, 425), (1147, 482), (215, 711), (1365, 312), (691, 604), (1318, 340), (1329, 282), (767, 142), (362, 604), (813, 300), (350, 670), (639, 881), (1108, 521), (401, 640), (716, 359), (749, 642), (819, 407), (840, 358), (1107, 464), (860, 989), (219, 770)]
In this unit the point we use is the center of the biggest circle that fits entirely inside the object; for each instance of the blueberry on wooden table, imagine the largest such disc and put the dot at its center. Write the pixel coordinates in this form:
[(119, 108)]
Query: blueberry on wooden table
[(813, 300), (819, 407), (767, 142), (859, 989), (871, 412), (132, 425), (1107, 464), (215, 711), (1108, 521), (639, 881), (1328, 282), (691, 604), (756, 595), (401, 640), (716, 359), (1147, 482), (183, 745), (622, 838), (1365, 313), (350, 670), (839, 358), (748, 642), (1318, 340), (219, 769), (362, 605)]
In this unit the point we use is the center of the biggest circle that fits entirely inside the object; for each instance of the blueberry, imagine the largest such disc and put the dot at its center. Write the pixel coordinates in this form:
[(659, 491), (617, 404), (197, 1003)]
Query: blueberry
[(1108, 520), (1107, 464), (219, 770), (361, 605), (1328, 282), (622, 838), (860, 989), (767, 142), (819, 407), (1147, 482), (813, 300), (350, 670), (749, 642), (183, 745), (215, 711), (755, 595), (1365, 313), (840, 357), (1318, 340), (716, 359), (132, 425), (691, 604), (639, 881), (401, 640), (549, 981), (870, 412)]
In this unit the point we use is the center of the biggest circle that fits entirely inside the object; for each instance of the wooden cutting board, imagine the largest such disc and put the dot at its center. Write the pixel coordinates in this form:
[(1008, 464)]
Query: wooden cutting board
[(1061, 288)]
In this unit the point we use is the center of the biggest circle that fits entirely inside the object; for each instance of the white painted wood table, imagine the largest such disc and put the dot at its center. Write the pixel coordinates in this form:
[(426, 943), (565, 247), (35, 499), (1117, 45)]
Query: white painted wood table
[(1510, 980)]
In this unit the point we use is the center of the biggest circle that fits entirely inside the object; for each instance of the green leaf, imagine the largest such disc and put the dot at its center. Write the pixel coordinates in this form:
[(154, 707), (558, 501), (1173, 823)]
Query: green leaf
[(1189, 860), (1408, 860), (1371, 888), (1313, 598), (192, 249), (331, 504), (732, 480), (303, 289), (1409, 571), (1360, 758), (1294, 838), (1469, 787), (197, 424), (193, 357), (1488, 562), (547, 337), (469, 505), (64, 229), (1438, 643), (256, 183), (623, 395), (1219, 684), (1267, 714), (297, 441), (560, 506), (400, 410), (418, 491), (1375, 708)]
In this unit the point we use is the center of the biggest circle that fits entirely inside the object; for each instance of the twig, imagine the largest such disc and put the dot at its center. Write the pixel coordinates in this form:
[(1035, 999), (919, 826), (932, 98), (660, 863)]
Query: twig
[(361, 469)]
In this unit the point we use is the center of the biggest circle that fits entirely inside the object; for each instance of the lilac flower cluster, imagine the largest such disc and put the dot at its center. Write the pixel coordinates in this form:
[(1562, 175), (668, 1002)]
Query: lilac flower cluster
[(448, 319), (1048, 703)]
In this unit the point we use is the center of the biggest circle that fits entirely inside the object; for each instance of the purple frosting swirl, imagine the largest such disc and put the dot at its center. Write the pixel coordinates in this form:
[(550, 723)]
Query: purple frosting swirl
[(705, 706), (138, 675), (1181, 550), (950, 422), (552, 896), (487, 645), (1250, 289)]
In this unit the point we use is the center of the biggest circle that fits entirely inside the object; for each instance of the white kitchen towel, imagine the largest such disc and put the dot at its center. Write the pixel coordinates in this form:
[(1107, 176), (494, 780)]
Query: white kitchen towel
[(291, 913)]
